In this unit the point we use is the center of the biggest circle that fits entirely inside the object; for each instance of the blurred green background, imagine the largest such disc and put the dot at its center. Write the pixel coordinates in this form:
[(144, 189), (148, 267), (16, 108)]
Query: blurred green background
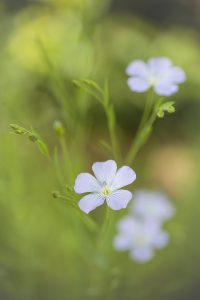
[(44, 252)]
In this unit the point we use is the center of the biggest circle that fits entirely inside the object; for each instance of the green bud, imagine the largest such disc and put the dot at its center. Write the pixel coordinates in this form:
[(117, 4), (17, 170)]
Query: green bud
[(171, 109), (33, 137), (160, 113), (59, 128), (17, 129), (56, 194)]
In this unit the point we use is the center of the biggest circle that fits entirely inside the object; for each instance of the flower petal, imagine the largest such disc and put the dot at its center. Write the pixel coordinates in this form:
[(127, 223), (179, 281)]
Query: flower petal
[(122, 242), (118, 199), (138, 84), (105, 171), (166, 89), (90, 202), (142, 254), (159, 65), (124, 176), (137, 68), (176, 75), (152, 205), (161, 240), (86, 183), (127, 225)]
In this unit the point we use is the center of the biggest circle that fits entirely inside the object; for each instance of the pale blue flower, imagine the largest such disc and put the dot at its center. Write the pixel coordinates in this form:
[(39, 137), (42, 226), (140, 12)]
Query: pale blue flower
[(105, 186), (140, 237), (152, 205), (158, 73)]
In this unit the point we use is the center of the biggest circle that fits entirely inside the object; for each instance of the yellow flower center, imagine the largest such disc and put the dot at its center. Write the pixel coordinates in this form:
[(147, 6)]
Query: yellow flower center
[(153, 80), (105, 191), (141, 240)]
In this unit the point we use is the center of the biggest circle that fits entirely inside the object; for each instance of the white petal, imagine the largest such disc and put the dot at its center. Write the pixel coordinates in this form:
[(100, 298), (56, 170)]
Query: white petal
[(176, 75), (166, 89), (122, 242), (105, 171), (86, 183), (137, 68), (159, 65), (118, 199), (138, 84), (142, 254), (90, 202), (124, 176), (153, 205), (127, 225), (161, 240)]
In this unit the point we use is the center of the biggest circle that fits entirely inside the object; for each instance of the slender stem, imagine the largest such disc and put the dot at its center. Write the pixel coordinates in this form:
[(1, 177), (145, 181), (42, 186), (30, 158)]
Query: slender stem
[(113, 138), (104, 229), (66, 157), (145, 127), (147, 110), (137, 142)]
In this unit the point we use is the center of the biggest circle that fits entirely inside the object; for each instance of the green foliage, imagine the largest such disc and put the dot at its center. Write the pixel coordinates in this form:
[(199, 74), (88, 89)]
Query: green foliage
[(47, 243), (32, 136), (165, 107)]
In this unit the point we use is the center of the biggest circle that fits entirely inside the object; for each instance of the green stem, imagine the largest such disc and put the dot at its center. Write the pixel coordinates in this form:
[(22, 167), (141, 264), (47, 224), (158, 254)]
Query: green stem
[(113, 138), (66, 157), (104, 229), (147, 111), (145, 128)]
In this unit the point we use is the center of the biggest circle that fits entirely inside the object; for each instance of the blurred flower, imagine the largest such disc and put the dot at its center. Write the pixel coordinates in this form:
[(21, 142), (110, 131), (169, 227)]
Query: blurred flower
[(106, 186), (140, 237), (152, 205), (158, 73)]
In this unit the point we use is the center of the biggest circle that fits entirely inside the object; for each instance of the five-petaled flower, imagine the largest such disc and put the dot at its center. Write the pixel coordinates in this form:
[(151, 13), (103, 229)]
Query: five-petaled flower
[(158, 73), (140, 237), (105, 187)]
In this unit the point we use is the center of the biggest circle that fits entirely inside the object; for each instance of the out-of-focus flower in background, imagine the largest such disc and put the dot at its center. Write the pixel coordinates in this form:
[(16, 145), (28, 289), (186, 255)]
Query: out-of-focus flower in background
[(141, 231), (152, 205), (158, 73), (106, 186), (140, 237)]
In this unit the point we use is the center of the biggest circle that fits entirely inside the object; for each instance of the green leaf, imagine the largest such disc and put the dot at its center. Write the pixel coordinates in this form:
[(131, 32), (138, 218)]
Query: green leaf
[(42, 147), (92, 84), (90, 87)]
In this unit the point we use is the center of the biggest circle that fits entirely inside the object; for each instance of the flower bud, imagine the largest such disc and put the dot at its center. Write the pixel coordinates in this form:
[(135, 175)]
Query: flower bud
[(56, 194), (33, 137), (160, 114), (17, 129), (59, 128), (171, 109)]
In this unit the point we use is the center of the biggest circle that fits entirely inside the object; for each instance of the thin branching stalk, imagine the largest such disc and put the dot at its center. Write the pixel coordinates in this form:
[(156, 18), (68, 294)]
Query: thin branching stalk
[(145, 127)]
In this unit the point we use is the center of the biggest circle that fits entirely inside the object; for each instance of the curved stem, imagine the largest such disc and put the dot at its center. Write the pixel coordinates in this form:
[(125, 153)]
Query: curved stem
[(139, 139), (145, 127)]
